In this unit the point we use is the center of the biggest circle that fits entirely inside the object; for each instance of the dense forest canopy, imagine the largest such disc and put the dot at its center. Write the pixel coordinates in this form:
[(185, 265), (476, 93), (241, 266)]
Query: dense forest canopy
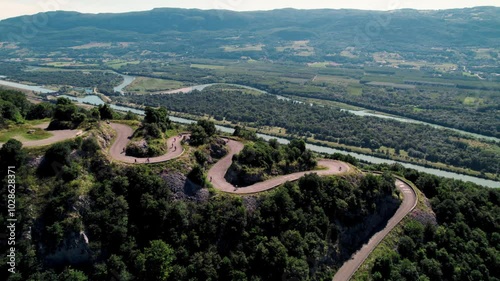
[(463, 242)]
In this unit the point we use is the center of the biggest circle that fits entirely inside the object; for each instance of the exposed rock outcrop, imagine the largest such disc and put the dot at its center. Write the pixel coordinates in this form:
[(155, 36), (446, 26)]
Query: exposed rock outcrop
[(74, 250)]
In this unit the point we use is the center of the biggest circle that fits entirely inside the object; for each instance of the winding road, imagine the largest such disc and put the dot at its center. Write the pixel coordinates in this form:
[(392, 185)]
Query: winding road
[(351, 266), (124, 132), (217, 172)]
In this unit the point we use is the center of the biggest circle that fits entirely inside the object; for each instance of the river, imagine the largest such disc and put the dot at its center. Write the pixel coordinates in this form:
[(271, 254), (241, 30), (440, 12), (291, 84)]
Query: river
[(127, 80), (363, 112), (37, 89), (96, 100)]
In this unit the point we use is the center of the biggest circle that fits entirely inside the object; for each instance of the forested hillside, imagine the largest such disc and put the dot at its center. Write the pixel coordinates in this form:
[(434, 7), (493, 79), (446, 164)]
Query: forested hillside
[(205, 32), (463, 242), (93, 220)]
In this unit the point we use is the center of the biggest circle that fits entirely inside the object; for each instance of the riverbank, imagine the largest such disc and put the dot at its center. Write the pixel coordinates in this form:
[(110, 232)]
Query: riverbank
[(96, 100)]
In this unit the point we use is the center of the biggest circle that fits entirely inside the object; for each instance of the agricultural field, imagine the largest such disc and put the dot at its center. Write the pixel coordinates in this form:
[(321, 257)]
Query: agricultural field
[(244, 48), (335, 80), (117, 64), (92, 45), (206, 66), (145, 85), (299, 48), (349, 53)]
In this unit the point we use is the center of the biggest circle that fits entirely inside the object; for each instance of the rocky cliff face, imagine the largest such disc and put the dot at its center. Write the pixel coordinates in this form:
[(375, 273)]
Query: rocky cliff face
[(351, 238), (74, 250)]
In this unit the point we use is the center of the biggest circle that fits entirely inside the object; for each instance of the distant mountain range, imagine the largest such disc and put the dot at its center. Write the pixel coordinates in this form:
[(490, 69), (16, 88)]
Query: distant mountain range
[(326, 29)]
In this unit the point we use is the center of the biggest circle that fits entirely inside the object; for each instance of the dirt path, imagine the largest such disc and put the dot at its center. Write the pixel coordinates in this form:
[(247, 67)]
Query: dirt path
[(217, 172), (122, 138), (57, 136), (351, 266)]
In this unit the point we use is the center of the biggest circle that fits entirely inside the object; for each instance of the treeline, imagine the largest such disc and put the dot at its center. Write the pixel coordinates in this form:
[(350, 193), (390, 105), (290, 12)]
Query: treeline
[(419, 141), (463, 245), (104, 81), (447, 107), (15, 108), (137, 230), (260, 159)]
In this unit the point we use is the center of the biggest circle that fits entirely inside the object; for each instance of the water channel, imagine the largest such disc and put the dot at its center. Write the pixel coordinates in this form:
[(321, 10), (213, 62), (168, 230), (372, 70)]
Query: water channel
[(96, 100)]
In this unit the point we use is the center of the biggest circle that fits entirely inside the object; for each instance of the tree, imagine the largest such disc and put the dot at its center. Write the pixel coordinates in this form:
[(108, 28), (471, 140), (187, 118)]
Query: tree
[(56, 157), (157, 116), (198, 135), (90, 146), (40, 111), (298, 143), (11, 154), (208, 126), (72, 275), (196, 175), (155, 262), (105, 112), (65, 110), (16, 99), (131, 116)]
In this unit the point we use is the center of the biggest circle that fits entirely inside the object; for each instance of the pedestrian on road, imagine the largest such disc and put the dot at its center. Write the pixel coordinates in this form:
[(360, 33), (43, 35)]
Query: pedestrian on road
[(148, 160), (210, 179), (135, 161)]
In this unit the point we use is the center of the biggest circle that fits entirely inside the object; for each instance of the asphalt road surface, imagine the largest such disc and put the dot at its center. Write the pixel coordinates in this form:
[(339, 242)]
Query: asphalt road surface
[(57, 136), (124, 132)]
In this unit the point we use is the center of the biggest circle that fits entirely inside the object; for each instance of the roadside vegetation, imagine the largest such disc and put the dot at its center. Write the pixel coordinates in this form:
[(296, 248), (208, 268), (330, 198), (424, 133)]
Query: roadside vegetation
[(259, 160), (382, 137), (457, 240)]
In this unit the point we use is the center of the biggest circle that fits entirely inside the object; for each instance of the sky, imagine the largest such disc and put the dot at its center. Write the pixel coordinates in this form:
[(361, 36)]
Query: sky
[(12, 8)]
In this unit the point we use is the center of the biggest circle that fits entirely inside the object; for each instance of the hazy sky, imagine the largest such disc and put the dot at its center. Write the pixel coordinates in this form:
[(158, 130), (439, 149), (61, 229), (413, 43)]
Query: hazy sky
[(11, 8)]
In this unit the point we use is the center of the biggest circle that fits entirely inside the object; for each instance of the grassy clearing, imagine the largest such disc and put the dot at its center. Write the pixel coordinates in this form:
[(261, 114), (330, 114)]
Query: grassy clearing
[(207, 66), (393, 85), (473, 101), (476, 143), (21, 133), (335, 80), (116, 64), (144, 85), (354, 90), (132, 123), (333, 104), (318, 64), (484, 53)]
